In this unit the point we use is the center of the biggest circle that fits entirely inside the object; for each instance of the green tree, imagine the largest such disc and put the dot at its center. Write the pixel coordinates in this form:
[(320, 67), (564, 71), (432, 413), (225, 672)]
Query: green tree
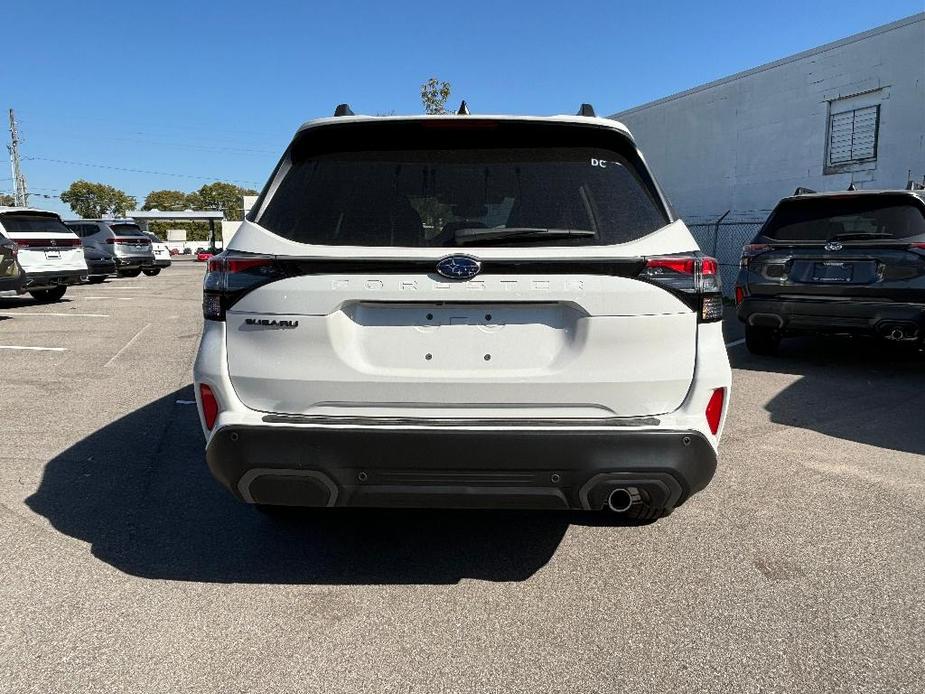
[(166, 200), (94, 200), (7, 200), (221, 196), (434, 94)]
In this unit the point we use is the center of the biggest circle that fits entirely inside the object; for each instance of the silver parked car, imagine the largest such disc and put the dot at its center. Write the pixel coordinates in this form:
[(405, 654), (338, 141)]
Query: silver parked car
[(120, 238)]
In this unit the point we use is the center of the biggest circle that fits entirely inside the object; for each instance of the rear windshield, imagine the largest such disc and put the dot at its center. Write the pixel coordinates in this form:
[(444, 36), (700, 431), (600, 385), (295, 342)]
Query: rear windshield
[(846, 219), (454, 192), (126, 230), (21, 223)]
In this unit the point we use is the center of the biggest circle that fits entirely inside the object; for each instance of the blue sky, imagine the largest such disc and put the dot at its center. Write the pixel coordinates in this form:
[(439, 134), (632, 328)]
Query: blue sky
[(192, 92)]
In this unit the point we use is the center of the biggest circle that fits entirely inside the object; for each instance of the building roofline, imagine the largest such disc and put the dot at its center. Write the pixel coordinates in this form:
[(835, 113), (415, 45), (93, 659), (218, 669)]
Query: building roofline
[(898, 24)]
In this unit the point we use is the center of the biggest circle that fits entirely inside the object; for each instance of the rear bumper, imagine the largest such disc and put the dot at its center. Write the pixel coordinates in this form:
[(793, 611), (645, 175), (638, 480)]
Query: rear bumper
[(53, 278), (101, 268), (161, 262), (831, 316), (12, 284), (133, 262), (458, 467)]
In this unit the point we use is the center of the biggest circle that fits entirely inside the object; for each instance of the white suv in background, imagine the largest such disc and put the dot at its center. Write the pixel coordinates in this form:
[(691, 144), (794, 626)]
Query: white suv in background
[(463, 311), (50, 254), (161, 255)]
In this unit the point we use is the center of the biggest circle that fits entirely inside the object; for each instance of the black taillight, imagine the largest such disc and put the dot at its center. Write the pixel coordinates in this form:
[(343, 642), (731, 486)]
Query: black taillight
[(692, 278), (231, 275), (750, 251)]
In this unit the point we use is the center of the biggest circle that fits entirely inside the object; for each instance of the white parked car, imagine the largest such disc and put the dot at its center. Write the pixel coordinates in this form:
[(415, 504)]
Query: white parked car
[(463, 311), (161, 255), (50, 254)]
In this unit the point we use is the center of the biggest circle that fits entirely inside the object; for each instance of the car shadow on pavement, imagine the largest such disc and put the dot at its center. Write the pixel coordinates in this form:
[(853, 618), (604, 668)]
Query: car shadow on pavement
[(864, 390), (25, 300), (139, 492)]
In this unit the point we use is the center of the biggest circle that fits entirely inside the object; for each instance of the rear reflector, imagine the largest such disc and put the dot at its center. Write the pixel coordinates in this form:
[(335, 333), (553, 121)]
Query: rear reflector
[(714, 409), (209, 405), (740, 295)]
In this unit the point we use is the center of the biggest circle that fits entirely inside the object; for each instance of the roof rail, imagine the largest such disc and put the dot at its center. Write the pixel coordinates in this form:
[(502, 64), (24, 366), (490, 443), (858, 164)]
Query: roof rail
[(586, 110), (803, 191), (463, 109), (343, 110)]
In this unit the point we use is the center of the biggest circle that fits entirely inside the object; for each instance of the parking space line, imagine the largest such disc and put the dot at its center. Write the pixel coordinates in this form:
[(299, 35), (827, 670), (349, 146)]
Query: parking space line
[(127, 345), (35, 349), (736, 343), (116, 298), (56, 315)]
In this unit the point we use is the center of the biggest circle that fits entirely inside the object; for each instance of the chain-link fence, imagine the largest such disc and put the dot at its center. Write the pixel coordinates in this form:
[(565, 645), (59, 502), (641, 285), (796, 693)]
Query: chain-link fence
[(724, 241)]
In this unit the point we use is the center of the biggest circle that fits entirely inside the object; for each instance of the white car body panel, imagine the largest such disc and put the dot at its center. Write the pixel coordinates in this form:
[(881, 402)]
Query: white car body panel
[(712, 371)]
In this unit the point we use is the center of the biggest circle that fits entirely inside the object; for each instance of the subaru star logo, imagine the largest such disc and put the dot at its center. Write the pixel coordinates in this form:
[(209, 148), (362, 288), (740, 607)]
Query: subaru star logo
[(833, 246), (459, 267)]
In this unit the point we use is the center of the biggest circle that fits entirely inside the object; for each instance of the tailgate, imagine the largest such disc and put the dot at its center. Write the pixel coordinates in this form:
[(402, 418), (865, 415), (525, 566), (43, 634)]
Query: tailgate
[(502, 345)]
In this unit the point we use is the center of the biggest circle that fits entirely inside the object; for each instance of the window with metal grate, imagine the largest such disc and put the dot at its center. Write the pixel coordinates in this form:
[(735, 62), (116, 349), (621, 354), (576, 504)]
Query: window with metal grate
[(853, 135)]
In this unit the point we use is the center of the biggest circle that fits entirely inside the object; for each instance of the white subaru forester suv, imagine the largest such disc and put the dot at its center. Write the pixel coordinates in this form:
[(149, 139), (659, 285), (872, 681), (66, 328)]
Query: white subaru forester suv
[(463, 312)]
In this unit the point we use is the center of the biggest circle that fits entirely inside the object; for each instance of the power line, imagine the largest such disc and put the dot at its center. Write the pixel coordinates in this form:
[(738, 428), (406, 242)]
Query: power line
[(143, 171)]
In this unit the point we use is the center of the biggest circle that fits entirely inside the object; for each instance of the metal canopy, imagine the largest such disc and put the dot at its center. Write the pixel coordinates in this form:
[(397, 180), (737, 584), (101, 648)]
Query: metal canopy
[(143, 217), (182, 215)]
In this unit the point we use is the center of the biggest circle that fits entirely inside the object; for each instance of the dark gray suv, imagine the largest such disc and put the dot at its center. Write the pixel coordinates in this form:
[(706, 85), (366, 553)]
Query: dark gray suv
[(839, 263)]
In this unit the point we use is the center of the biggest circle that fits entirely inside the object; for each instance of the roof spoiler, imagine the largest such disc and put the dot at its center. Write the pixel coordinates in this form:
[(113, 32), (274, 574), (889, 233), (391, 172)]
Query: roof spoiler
[(803, 191), (586, 110)]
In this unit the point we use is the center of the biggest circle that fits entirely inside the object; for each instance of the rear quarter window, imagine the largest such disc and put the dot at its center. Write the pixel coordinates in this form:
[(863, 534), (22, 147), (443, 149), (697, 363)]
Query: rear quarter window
[(428, 187)]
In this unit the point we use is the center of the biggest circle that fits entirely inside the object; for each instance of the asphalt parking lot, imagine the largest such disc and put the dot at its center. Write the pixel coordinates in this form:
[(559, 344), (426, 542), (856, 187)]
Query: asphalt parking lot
[(124, 567)]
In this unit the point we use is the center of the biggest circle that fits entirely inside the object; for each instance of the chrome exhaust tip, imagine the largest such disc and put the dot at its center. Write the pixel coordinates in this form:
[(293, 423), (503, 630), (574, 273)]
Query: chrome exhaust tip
[(621, 499)]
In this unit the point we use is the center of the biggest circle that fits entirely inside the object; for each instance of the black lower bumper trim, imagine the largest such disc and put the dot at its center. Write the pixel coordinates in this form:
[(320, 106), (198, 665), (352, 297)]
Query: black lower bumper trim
[(132, 263), (51, 278), (457, 468), (834, 316)]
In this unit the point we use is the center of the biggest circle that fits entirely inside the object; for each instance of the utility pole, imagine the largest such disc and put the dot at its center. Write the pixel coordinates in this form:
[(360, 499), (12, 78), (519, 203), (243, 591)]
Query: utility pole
[(20, 196)]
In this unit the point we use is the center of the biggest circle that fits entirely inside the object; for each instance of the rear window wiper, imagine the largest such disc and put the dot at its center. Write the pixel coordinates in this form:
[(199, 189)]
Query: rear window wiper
[(861, 235), (479, 234)]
